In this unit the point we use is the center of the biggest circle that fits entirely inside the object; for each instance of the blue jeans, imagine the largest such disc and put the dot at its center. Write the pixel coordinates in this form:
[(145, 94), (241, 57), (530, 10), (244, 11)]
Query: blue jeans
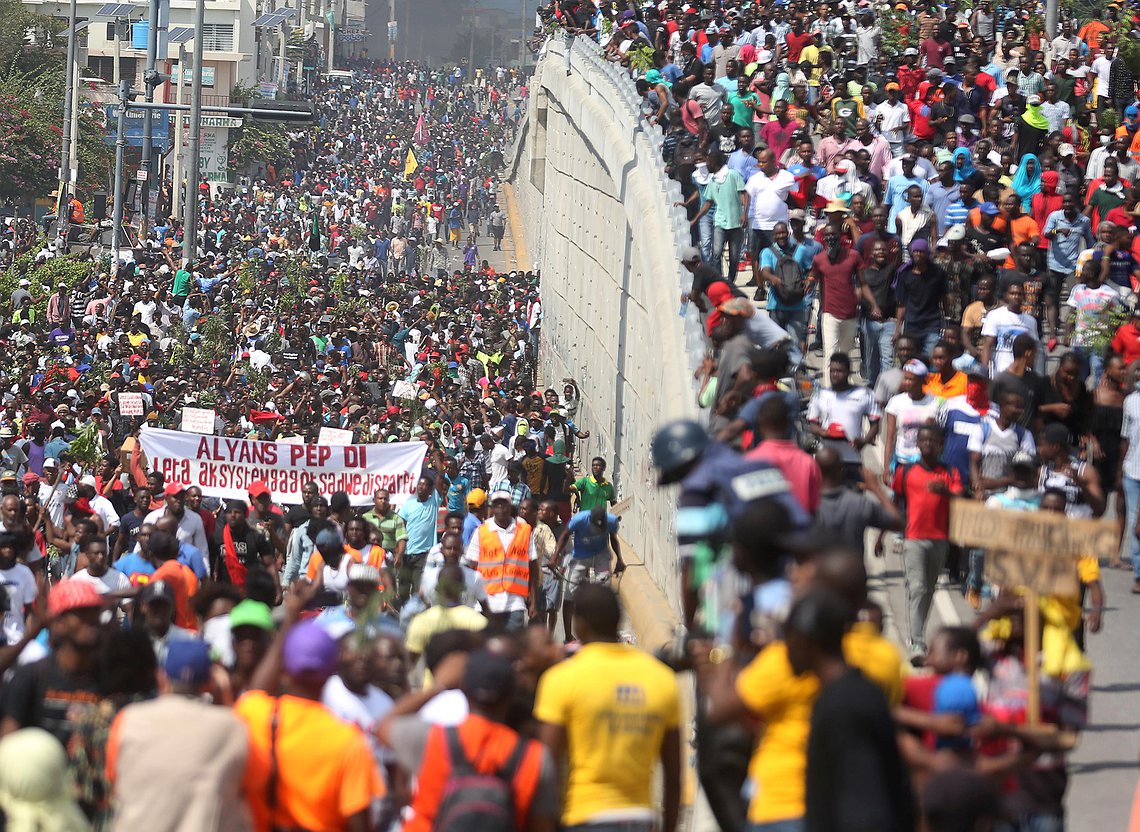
[(791, 825), (878, 348), (1092, 363), (975, 578), (794, 322), (1132, 504), (735, 239), (705, 232), (926, 339)]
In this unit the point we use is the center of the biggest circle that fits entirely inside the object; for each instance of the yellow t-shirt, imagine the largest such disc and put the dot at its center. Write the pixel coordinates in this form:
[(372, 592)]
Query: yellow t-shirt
[(783, 701), (616, 703), (440, 619)]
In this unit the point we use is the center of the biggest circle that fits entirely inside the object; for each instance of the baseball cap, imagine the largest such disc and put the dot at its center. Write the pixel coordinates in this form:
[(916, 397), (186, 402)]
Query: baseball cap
[(7, 433), (477, 497), (988, 208), (157, 591), (258, 488), (910, 50), (87, 479), (501, 494), (309, 649), (1065, 149), (1033, 100), (250, 613), (8, 476), (51, 463), (70, 595), (188, 662), (364, 573), (173, 489), (891, 85)]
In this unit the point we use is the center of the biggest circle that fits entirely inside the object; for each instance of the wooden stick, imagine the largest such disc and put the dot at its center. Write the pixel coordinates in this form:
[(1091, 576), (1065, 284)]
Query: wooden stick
[(1033, 656)]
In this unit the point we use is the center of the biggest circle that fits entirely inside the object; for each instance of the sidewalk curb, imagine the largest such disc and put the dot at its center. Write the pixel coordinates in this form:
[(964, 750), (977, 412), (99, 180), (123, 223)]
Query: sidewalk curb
[(518, 238)]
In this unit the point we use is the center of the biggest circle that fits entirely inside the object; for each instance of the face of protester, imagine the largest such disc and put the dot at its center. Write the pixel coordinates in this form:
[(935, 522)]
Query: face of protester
[(356, 533), (423, 489), (381, 503), (96, 551)]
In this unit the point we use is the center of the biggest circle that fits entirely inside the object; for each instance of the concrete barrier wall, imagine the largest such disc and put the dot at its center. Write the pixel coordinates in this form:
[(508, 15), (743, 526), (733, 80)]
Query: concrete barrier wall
[(598, 219)]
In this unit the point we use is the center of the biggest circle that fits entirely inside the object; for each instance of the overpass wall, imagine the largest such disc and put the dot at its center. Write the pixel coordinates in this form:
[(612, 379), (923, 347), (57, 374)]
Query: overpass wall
[(599, 221)]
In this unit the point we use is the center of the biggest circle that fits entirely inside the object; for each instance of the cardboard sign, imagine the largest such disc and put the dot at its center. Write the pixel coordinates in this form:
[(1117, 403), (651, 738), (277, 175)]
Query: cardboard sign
[(1046, 574), (198, 420), (224, 467), (131, 404), (334, 436), (1040, 532)]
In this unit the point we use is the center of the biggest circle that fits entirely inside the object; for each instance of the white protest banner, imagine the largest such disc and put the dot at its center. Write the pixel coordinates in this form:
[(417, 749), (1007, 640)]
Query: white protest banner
[(130, 404), (198, 420), (334, 436), (224, 467)]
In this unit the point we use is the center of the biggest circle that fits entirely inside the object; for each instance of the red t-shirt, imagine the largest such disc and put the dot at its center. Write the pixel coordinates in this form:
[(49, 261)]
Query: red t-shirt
[(927, 513), (796, 44), (1126, 342), (838, 280)]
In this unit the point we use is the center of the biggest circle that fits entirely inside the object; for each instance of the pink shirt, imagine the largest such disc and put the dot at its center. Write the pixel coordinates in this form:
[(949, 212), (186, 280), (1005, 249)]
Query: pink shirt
[(798, 467)]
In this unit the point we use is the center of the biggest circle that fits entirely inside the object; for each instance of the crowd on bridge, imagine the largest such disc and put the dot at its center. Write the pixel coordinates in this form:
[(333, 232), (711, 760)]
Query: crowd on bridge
[(914, 257), (935, 200)]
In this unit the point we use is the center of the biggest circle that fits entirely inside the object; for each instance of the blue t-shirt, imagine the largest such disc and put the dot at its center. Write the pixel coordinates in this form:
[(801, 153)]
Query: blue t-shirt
[(134, 566), (192, 556), (470, 524), (421, 519), (590, 541), (457, 494), (958, 422), (955, 694)]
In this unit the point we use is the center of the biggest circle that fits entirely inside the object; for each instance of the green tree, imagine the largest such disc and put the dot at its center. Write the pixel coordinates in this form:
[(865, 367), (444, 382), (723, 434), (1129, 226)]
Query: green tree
[(258, 141)]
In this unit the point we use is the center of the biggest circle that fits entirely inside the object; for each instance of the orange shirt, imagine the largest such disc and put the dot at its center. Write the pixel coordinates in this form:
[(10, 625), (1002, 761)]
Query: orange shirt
[(185, 585), (1021, 230), (1000, 222), (325, 770), (488, 745)]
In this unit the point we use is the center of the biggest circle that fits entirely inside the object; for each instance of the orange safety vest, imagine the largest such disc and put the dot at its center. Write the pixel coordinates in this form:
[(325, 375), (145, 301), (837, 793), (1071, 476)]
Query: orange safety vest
[(507, 571)]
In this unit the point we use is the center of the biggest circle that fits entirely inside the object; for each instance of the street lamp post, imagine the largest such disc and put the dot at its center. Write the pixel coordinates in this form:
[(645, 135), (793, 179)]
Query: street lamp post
[(190, 234), (65, 177)]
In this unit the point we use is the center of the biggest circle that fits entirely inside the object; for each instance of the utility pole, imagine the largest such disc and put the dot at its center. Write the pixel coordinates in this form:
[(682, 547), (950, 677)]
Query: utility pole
[(391, 23), (522, 35), (471, 51), (65, 175), (120, 149), (1052, 10), (150, 81), (176, 194), (190, 235)]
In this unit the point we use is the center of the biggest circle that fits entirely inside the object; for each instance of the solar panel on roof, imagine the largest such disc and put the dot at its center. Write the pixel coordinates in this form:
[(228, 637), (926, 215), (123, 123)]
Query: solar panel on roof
[(117, 10), (180, 34)]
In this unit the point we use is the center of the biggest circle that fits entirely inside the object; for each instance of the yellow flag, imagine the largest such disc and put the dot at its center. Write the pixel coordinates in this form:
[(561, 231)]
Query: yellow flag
[(410, 164)]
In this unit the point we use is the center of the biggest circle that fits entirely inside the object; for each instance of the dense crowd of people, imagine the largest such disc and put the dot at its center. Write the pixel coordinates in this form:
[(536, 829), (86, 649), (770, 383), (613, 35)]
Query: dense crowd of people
[(935, 200), (914, 256)]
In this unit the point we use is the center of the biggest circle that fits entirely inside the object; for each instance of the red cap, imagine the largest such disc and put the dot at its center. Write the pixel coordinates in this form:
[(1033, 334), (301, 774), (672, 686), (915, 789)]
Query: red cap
[(71, 595), (173, 488), (258, 488)]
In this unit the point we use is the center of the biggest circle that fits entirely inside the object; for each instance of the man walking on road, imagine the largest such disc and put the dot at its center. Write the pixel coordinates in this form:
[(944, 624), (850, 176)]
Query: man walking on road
[(502, 549)]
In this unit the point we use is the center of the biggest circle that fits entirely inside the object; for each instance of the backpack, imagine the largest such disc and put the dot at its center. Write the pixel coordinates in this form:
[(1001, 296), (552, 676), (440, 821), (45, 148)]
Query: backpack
[(474, 802), (790, 292)]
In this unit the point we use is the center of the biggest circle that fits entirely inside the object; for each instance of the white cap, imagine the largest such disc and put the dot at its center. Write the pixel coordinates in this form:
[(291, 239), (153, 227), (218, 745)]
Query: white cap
[(501, 494)]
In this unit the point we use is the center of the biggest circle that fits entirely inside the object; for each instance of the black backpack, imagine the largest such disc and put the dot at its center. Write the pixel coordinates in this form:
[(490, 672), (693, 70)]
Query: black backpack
[(792, 279), (474, 802)]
